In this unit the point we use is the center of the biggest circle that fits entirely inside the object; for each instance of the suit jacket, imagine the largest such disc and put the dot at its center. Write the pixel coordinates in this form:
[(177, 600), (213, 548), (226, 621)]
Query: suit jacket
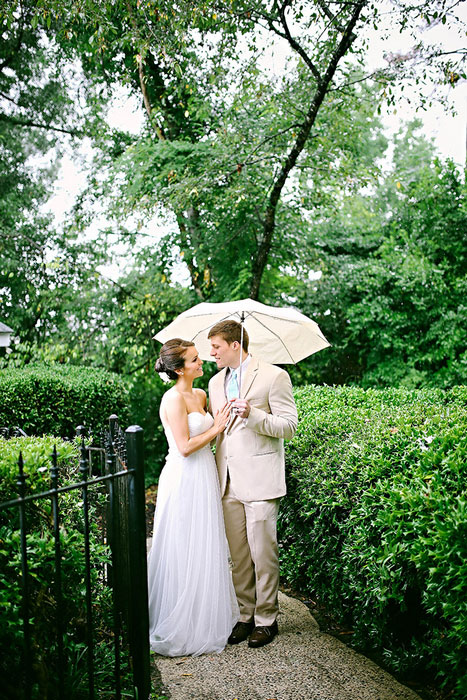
[(251, 451)]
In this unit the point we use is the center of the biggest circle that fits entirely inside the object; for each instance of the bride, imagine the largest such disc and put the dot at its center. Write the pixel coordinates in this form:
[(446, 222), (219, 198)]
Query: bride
[(192, 604)]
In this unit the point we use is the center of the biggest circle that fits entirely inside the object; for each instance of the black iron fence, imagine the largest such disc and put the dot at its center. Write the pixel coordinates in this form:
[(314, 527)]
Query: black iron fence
[(121, 523), (13, 431)]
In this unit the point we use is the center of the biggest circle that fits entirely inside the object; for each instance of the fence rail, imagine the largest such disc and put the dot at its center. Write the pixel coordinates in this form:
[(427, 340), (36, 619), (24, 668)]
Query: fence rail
[(122, 524), (12, 431)]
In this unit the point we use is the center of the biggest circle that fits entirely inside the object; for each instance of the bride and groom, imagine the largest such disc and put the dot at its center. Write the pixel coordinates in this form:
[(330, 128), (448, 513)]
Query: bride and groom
[(193, 606)]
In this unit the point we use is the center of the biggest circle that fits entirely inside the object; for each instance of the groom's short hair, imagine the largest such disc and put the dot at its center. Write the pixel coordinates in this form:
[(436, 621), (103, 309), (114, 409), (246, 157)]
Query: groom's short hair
[(230, 331)]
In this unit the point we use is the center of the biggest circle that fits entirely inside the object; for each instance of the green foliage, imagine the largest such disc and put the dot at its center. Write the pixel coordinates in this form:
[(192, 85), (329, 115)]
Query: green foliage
[(374, 524), (229, 146), (40, 548), (146, 391), (40, 266), (391, 297), (56, 398)]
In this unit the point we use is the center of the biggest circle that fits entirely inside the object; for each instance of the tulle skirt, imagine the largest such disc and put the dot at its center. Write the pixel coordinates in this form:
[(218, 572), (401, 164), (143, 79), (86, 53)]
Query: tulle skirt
[(192, 604)]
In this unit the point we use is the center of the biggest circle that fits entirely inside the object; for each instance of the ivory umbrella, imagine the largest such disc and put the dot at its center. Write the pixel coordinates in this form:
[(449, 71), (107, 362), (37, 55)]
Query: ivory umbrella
[(279, 335)]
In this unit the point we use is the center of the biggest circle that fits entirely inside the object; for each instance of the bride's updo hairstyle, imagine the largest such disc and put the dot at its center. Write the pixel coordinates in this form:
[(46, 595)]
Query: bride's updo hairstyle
[(172, 356)]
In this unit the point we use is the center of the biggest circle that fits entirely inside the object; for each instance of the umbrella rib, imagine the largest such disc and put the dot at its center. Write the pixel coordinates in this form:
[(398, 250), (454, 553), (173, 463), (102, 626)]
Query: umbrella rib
[(210, 325), (203, 313), (277, 336), (295, 322), (253, 314)]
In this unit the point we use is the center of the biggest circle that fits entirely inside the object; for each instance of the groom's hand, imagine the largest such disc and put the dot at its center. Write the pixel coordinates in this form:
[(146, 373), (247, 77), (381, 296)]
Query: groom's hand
[(241, 408)]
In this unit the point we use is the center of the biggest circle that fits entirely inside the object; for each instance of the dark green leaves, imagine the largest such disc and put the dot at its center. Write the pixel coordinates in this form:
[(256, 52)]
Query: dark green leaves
[(374, 522)]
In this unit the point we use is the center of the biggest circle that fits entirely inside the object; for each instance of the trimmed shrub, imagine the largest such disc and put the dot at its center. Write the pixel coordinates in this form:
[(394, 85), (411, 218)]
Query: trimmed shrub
[(54, 399), (375, 522)]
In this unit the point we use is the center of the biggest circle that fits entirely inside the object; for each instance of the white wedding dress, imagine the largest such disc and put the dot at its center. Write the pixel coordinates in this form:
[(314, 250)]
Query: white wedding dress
[(192, 604)]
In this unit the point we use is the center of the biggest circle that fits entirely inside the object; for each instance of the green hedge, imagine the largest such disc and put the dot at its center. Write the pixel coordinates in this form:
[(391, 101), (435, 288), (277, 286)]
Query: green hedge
[(375, 522), (54, 399)]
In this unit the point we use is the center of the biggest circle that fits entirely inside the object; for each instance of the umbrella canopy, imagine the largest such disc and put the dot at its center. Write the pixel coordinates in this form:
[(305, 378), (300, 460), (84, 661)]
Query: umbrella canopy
[(277, 335)]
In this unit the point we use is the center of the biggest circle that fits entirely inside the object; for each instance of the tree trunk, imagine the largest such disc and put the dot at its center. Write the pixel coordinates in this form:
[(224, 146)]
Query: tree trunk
[(269, 222)]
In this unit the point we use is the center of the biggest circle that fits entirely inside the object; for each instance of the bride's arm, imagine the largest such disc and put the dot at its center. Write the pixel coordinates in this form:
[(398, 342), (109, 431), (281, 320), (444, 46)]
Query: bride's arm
[(177, 418)]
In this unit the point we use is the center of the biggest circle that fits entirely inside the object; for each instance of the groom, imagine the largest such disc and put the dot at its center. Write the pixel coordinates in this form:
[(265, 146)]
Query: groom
[(250, 462)]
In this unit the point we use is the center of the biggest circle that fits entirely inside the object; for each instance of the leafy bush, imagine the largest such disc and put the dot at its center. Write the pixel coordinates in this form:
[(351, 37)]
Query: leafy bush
[(54, 399), (375, 522), (40, 545)]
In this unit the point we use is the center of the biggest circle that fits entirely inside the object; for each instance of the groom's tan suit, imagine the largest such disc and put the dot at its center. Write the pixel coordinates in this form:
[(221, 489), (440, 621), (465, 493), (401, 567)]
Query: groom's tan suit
[(250, 462)]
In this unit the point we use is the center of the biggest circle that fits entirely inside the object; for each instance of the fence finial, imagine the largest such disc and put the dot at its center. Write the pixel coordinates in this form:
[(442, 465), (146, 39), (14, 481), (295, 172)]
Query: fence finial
[(54, 468), (21, 483), (83, 462), (113, 425)]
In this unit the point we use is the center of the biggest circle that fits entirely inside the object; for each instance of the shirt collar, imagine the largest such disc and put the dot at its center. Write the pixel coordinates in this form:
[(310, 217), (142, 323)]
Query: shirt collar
[(244, 365)]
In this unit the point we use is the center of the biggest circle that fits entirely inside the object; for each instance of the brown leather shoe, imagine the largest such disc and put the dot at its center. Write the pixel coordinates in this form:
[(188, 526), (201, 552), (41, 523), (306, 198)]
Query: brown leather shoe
[(240, 632), (263, 635)]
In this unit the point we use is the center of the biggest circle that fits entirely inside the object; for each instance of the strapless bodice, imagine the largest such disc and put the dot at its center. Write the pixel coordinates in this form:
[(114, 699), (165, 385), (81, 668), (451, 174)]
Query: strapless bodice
[(197, 423)]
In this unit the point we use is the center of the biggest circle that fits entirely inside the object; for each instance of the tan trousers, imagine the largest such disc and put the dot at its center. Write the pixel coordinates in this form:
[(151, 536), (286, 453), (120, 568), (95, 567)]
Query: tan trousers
[(251, 528)]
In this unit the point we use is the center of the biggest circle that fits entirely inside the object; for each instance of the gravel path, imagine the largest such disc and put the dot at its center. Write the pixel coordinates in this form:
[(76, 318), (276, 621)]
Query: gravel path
[(301, 663)]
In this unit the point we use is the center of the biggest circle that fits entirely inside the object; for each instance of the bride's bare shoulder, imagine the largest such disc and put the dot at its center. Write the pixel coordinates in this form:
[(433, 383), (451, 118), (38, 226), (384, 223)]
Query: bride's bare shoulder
[(172, 401), (201, 394), (172, 397)]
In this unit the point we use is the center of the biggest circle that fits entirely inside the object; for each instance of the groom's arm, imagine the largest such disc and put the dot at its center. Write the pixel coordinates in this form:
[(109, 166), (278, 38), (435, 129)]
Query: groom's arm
[(282, 421)]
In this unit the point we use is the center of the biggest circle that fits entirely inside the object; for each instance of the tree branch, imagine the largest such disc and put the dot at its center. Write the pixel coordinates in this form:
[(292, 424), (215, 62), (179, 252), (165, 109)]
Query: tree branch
[(194, 272), (342, 86), (125, 290), (142, 84), (330, 15), (293, 42), (148, 359), (19, 235), (247, 161), (264, 247), (19, 40), (37, 125), (10, 99)]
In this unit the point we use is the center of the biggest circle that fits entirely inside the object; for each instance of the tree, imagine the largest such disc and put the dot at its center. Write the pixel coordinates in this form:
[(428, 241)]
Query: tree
[(261, 176), (393, 276), (41, 266), (194, 67)]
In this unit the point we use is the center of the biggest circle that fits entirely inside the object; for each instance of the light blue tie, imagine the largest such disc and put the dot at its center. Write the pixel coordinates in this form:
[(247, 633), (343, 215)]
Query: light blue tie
[(232, 386)]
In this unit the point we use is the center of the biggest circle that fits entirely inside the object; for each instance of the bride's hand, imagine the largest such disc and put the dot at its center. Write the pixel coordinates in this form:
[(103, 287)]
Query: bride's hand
[(222, 418)]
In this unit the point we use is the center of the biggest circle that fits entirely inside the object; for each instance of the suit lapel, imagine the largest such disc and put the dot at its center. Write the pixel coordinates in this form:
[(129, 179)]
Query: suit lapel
[(250, 375), (218, 387)]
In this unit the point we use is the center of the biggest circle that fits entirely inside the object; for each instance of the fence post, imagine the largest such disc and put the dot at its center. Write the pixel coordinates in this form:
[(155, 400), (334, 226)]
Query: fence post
[(58, 572), (113, 420), (139, 626), (84, 472), (113, 530), (21, 483)]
